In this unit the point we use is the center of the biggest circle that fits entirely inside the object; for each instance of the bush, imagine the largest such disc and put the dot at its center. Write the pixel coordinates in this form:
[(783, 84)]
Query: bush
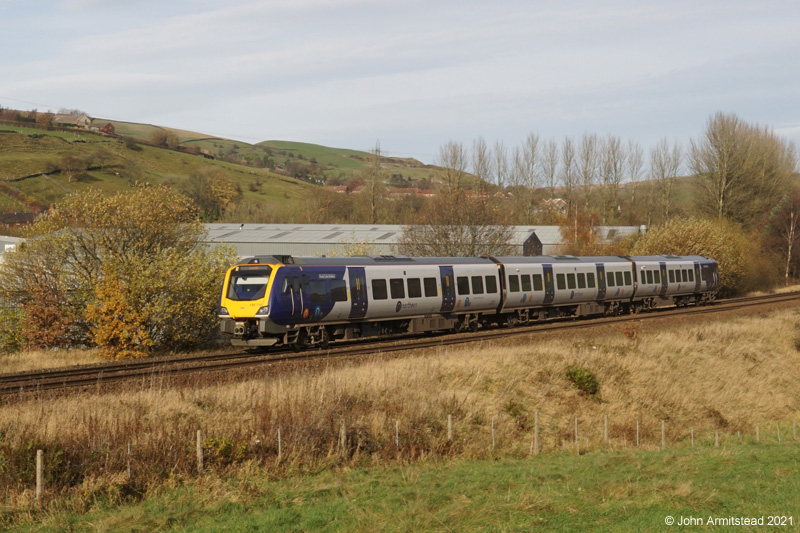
[(720, 240), (584, 380), (11, 339)]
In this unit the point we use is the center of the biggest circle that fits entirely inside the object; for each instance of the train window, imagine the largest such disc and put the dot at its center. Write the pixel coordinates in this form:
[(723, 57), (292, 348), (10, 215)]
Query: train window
[(560, 283), (570, 281), (649, 277), (657, 276), (379, 289), (526, 282), (703, 274), (685, 276), (581, 280), (248, 284), (338, 290), (397, 288), (513, 283), (672, 276), (477, 285), (590, 280), (430, 287), (610, 279), (628, 280), (462, 282), (619, 279), (414, 288), (491, 285), (691, 275), (316, 289), (537, 282)]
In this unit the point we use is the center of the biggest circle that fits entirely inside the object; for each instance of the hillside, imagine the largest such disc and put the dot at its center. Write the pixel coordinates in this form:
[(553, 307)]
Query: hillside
[(40, 166)]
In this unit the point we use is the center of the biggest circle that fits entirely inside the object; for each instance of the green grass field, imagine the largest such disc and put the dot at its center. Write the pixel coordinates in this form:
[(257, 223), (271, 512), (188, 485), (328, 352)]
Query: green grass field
[(599, 491)]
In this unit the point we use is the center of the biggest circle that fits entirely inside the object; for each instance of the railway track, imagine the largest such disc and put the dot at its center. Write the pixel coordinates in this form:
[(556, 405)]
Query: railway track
[(87, 376)]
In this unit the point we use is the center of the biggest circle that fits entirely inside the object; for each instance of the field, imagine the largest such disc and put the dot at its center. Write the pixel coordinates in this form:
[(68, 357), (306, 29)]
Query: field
[(397, 467)]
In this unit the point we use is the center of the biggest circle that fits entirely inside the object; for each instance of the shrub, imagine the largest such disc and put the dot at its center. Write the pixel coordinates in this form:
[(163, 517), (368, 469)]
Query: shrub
[(584, 380)]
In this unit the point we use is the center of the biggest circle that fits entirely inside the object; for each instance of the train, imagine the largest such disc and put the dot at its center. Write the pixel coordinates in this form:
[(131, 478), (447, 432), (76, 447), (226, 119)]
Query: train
[(304, 302)]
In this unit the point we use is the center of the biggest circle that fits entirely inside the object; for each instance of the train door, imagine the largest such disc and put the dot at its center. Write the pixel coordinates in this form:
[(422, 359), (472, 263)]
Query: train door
[(697, 277), (601, 281), (448, 289), (549, 284), (663, 267), (292, 293), (358, 292)]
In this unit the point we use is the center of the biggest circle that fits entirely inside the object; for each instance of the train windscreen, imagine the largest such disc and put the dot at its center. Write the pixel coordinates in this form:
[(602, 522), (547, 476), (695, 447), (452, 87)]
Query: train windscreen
[(248, 283)]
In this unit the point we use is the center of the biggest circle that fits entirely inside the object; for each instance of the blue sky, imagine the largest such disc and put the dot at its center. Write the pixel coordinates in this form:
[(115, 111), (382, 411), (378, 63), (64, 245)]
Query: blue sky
[(410, 74)]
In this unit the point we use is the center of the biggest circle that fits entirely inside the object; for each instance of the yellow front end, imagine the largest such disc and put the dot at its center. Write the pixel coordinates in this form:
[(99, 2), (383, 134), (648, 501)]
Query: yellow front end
[(244, 305)]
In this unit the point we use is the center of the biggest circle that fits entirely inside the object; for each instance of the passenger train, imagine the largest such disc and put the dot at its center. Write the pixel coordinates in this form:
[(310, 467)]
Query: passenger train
[(305, 302)]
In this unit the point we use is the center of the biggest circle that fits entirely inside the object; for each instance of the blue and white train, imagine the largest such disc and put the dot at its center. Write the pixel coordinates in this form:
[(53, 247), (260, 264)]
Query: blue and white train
[(303, 302)]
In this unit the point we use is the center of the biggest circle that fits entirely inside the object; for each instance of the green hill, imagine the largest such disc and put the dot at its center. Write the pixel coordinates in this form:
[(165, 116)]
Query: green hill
[(39, 166)]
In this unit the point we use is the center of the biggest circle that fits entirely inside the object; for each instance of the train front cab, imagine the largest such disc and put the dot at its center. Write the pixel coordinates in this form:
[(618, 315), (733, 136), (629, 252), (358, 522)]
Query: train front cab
[(244, 305)]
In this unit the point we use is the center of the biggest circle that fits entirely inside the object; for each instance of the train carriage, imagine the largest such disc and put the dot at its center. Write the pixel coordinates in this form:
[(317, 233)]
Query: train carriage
[(310, 301)]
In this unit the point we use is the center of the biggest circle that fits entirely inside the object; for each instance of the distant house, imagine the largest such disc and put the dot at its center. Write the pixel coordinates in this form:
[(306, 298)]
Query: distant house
[(108, 129), (75, 121)]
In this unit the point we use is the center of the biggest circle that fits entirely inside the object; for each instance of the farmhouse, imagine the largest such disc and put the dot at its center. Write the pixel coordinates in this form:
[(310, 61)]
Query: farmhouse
[(76, 121)]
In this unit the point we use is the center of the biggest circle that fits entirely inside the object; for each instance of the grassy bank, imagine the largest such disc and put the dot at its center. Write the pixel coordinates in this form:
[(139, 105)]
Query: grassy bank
[(732, 376), (601, 491)]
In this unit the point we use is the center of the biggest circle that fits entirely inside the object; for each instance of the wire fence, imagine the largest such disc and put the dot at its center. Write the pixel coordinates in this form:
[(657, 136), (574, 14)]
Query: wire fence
[(543, 434)]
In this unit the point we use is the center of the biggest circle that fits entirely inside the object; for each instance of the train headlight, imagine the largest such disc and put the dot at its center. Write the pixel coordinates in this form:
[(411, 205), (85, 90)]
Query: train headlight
[(262, 311), (221, 312)]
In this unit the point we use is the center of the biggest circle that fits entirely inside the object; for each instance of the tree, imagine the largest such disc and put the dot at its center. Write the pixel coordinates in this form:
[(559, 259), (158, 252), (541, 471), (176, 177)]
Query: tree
[(453, 158), (720, 240), (481, 159), (782, 233), (459, 225), (212, 192), (742, 169), (89, 241), (665, 163)]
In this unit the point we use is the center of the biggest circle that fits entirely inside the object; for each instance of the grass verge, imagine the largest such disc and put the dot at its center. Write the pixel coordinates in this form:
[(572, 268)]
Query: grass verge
[(600, 491)]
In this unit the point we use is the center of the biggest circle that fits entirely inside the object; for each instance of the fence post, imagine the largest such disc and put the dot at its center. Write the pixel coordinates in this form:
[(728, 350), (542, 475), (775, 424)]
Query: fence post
[(691, 432), (794, 429), (577, 448), (342, 439), (397, 434), (637, 433), (199, 451), (279, 444), (716, 439), (663, 435), (129, 461), (758, 435), (450, 428), (536, 448), (605, 433), (492, 433), (778, 429), (39, 475)]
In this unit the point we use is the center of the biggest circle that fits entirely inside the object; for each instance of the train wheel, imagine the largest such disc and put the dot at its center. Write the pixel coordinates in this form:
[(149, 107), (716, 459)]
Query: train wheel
[(324, 338)]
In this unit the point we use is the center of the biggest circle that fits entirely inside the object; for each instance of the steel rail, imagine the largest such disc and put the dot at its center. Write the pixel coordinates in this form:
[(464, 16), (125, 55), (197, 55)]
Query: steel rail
[(95, 375)]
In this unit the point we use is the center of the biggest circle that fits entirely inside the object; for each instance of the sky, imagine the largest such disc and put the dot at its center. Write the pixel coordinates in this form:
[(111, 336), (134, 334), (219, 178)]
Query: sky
[(411, 75)]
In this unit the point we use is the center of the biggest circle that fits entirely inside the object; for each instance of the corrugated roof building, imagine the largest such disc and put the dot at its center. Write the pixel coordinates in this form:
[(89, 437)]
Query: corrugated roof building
[(315, 240)]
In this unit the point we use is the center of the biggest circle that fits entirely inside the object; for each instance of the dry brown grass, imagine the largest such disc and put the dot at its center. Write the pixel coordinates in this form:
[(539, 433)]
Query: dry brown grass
[(44, 359), (719, 375)]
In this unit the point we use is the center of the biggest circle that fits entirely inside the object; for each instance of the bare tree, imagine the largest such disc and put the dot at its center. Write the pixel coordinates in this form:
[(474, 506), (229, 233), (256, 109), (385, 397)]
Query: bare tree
[(742, 169), (588, 159), (481, 159), (550, 166), (612, 171), (665, 164), (634, 168), (454, 159), (500, 164), (783, 231), (569, 171), (459, 225)]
